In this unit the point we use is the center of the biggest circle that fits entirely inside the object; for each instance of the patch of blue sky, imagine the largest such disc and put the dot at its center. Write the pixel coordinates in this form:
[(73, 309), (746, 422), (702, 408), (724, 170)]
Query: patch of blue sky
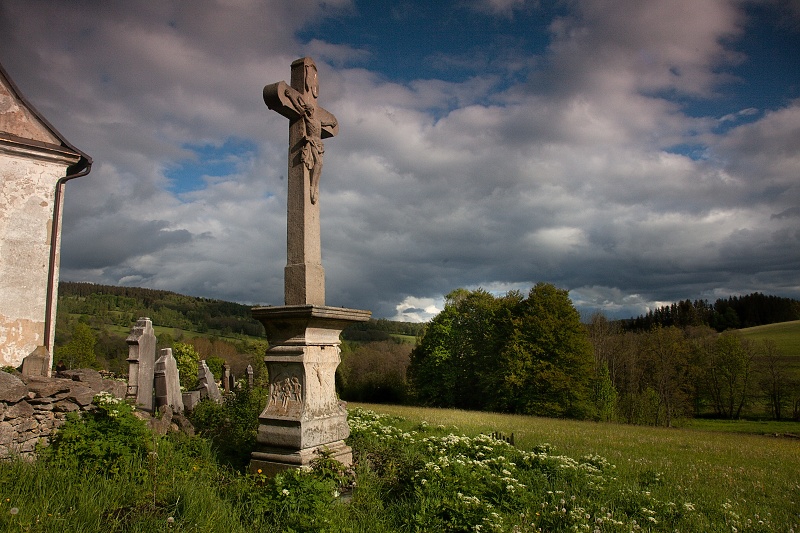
[(209, 162), (436, 40), (768, 75), (694, 151)]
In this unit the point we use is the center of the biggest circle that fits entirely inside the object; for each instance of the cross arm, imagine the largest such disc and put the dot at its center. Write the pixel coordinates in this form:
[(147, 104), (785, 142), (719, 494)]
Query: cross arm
[(330, 126), (276, 98)]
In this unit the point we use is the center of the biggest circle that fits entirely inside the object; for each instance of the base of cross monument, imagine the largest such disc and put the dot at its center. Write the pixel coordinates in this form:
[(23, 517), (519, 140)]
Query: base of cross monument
[(303, 416), (270, 462)]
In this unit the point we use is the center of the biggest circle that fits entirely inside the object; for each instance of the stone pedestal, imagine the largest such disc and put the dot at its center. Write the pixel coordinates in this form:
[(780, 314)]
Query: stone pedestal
[(303, 414)]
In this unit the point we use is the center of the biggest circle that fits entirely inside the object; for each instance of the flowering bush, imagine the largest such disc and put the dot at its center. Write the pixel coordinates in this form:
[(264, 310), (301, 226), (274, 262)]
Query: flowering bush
[(459, 483), (100, 440)]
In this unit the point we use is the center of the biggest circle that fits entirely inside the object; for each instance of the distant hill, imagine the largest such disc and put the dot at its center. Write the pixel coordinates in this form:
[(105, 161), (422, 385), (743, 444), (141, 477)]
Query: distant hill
[(121, 306)]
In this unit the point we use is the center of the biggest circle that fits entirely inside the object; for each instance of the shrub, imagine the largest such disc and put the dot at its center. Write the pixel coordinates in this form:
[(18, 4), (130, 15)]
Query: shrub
[(233, 425), (102, 440)]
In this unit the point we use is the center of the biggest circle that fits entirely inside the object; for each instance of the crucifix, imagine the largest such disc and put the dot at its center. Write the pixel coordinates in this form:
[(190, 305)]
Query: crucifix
[(309, 123), (303, 416)]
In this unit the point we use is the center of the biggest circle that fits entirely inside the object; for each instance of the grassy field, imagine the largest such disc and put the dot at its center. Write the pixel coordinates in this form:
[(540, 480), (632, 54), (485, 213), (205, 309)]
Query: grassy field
[(753, 476), (417, 470), (184, 334), (786, 336)]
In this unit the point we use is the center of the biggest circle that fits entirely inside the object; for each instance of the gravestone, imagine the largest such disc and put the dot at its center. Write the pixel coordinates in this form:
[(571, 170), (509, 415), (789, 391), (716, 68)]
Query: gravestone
[(226, 378), (250, 380), (207, 384), (141, 363), (37, 363), (303, 415), (167, 382)]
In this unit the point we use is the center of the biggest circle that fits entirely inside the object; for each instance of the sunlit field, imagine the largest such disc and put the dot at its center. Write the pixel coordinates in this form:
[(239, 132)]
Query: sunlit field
[(750, 480)]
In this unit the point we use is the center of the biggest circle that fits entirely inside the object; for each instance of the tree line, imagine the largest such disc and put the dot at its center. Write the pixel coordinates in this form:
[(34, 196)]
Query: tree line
[(735, 312), (532, 355), (669, 372)]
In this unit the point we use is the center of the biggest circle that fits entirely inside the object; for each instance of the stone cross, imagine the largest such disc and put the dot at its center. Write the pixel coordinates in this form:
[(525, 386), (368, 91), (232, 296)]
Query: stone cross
[(304, 277)]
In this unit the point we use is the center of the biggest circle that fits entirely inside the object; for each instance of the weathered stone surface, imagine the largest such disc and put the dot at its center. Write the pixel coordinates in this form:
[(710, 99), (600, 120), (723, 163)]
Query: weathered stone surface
[(207, 385), (7, 433), (183, 423), (226, 378), (88, 376), (309, 123), (25, 424), (167, 382), (141, 363), (41, 403), (29, 445), (37, 363), (46, 387), (65, 406), (114, 387), (80, 394), (161, 423), (12, 389), (20, 409), (190, 399), (30, 167), (303, 413)]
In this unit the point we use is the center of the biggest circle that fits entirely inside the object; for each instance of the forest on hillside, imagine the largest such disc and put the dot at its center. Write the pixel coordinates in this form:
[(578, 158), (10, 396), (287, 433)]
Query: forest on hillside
[(93, 321), (123, 305)]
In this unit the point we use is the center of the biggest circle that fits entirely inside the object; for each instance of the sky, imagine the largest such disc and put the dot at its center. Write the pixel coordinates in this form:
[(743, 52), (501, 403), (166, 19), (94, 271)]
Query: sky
[(633, 152)]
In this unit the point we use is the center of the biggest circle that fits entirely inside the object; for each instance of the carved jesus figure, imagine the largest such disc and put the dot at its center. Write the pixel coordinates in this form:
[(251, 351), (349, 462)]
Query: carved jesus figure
[(313, 148)]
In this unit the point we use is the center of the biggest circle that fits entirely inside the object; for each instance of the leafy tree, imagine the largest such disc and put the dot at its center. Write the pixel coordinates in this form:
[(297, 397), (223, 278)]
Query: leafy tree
[(547, 366), (187, 359), (729, 365), (79, 351), (774, 378), (508, 353), (604, 395), (667, 353), (453, 361), (375, 372), (431, 370)]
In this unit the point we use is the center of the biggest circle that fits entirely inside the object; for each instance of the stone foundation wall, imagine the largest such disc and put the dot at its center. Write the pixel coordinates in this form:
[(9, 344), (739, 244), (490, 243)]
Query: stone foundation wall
[(32, 407)]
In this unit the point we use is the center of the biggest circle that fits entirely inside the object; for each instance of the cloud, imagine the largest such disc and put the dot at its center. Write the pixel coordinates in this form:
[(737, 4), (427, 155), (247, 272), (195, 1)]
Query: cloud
[(504, 8), (561, 166)]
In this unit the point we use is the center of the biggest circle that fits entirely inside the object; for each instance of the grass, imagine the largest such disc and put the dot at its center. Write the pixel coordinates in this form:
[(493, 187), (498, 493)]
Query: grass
[(405, 339), (754, 474), (184, 334), (415, 473), (772, 428), (786, 336)]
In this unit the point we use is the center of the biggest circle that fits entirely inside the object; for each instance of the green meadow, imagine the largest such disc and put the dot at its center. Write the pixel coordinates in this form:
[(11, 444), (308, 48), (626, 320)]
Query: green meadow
[(785, 335), (720, 468), (416, 469)]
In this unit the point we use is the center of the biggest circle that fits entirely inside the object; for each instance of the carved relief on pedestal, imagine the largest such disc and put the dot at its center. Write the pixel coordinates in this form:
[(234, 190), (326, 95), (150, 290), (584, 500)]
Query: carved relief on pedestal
[(285, 390)]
